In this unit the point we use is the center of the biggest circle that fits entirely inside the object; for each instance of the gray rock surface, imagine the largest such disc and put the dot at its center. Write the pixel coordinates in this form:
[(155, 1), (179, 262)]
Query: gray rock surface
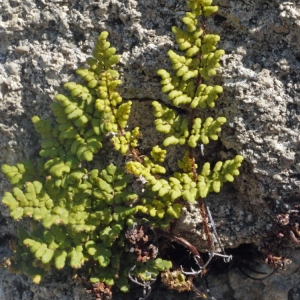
[(44, 41)]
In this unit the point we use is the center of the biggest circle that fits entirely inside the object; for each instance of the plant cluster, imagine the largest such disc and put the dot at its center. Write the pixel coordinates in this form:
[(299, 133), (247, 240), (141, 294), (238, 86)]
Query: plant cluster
[(88, 217)]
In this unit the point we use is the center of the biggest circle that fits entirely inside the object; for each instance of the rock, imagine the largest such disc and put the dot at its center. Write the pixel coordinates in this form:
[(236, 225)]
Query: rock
[(22, 49), (43, 42)]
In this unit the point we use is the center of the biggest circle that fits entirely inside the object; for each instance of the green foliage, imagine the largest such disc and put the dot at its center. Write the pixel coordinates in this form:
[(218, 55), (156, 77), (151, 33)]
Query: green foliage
[(79, 214), (186, 89)]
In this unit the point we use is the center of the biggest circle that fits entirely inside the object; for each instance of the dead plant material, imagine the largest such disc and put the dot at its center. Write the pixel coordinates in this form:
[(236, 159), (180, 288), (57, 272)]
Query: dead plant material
[(287, 225), (278, 262), (176, 280), (286, 228), (101, 291), (143, 242)]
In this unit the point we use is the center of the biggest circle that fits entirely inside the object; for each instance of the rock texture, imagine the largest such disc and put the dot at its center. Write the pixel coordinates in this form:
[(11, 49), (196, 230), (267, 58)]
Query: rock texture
[(44, 41)]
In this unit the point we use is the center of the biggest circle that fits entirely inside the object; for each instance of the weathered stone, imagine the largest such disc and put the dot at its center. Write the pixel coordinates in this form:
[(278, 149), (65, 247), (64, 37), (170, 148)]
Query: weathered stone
[(43, 42)]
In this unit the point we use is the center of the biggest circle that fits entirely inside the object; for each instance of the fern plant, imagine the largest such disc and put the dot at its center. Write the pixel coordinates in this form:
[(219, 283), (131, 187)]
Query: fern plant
[(82, 216)]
